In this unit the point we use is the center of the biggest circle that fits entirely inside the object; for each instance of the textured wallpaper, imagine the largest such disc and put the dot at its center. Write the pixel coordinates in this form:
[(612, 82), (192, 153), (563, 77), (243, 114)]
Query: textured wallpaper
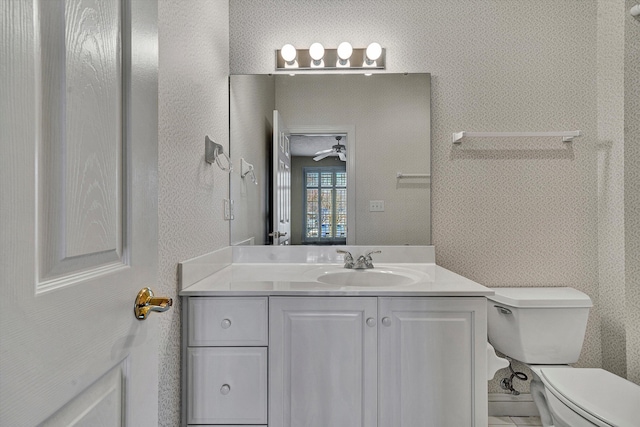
[(521, 212), (193, 102)]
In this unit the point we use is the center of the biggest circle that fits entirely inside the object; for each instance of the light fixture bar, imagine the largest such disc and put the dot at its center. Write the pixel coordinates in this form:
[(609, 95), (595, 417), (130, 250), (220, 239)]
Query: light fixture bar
[(330, 58)]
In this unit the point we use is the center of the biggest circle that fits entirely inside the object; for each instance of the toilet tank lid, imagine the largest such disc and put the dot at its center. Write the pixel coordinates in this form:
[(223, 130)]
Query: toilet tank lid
[(541, 297)]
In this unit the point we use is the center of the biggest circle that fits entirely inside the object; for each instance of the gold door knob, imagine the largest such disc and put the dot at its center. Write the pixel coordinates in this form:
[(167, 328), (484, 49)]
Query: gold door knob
[(146, 302)]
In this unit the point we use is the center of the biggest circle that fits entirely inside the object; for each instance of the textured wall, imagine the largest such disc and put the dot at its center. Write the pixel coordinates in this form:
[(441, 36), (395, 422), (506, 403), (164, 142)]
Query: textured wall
[(193, 102), (505, 212), (251, 105), (632, 190), (611, 259), (382, 146)]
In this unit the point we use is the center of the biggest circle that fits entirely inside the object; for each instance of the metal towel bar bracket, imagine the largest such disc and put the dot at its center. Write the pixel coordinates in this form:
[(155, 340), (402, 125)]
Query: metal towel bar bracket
[(212, 153), (246, 168)]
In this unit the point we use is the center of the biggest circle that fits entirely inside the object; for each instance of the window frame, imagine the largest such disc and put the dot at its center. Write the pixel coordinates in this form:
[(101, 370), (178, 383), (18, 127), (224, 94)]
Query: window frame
[(319, 170)]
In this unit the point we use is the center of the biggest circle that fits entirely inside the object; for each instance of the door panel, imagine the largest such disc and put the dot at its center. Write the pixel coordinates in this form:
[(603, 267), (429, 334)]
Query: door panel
[(80, 198), (99, 405), (79, 212), (322, 362)]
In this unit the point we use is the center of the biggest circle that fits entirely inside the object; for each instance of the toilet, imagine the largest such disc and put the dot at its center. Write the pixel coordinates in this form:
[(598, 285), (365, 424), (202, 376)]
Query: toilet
[(545, 328)]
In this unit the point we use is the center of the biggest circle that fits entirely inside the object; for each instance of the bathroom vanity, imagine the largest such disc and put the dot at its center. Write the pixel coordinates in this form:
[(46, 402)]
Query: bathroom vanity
[(313, 344)]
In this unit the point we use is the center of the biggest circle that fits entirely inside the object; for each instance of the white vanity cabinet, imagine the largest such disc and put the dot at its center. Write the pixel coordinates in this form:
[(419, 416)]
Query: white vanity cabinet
[(339, 361)]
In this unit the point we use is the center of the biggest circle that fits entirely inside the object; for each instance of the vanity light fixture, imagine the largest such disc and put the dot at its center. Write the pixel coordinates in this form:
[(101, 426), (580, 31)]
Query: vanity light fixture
[(316, 52), (343, 59), (345, 50), (371, 55)]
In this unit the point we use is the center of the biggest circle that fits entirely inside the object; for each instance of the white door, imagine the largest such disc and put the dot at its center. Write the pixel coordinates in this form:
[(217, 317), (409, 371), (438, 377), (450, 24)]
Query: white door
[(78, 209), (323, 362), (432, 362), (281, 207)]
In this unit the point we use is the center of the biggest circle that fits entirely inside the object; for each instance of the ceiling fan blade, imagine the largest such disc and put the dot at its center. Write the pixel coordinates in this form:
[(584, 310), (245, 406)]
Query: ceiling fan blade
[(324, 151), (322, 156), (342, 156)]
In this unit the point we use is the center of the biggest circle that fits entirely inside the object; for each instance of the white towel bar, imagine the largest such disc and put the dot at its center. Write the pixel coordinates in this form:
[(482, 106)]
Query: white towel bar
[(401, 175), (567, 136)]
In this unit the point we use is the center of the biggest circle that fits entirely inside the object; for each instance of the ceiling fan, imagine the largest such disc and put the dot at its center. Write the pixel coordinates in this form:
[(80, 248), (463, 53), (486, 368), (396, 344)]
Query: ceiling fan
[(337, 150)]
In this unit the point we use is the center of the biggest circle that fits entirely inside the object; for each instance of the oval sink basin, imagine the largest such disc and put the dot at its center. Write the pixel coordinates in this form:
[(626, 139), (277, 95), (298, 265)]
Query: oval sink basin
[(369, 277)]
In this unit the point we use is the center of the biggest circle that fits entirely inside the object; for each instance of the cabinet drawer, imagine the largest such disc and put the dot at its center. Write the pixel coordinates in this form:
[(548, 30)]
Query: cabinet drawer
[(227, 385), (228, 321)]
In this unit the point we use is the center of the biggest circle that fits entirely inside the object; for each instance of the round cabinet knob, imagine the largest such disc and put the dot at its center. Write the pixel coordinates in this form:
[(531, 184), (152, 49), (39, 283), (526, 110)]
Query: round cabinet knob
[(225, 389), (386, 321), (226, 324), (371, 322)]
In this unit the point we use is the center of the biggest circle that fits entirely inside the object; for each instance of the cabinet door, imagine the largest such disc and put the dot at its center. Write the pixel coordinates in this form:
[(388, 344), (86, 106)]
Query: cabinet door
[(322, 362), (432, 362)]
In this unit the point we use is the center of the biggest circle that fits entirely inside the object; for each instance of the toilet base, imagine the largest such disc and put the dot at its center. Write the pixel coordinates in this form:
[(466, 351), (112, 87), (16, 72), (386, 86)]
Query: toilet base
[(540, 399)]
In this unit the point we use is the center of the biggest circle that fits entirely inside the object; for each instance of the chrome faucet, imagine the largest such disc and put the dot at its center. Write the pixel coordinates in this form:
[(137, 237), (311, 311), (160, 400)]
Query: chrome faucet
[(365, 261), (348, 259)]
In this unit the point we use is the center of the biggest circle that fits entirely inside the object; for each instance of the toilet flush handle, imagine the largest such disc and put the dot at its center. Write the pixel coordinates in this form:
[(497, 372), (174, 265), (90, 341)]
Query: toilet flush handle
[(503, 310)]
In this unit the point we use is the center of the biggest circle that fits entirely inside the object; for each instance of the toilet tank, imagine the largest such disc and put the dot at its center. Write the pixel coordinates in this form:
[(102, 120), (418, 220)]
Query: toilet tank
[(538, 325)]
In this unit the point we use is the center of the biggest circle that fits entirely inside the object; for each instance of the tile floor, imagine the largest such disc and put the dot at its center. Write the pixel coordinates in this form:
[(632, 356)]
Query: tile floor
[(514, 421)]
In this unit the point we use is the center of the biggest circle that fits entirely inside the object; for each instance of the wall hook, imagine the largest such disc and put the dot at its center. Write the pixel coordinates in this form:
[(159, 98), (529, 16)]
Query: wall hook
[(246, 168), (212, 153)]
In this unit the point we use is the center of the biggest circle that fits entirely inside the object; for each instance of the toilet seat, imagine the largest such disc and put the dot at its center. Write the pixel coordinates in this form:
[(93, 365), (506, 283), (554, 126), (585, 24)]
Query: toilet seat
[(600, 396)]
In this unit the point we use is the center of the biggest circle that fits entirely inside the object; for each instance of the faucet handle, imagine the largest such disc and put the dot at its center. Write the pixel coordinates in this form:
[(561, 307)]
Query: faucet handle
[(367, 260), (346, 253), (348, 258)]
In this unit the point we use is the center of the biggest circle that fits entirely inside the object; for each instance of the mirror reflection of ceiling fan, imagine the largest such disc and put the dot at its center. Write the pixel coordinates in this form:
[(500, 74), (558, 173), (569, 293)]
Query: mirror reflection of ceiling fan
[(338, 150)]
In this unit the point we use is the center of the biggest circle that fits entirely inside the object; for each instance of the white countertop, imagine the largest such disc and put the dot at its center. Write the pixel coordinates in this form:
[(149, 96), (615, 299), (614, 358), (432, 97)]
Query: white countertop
[(299, 279)]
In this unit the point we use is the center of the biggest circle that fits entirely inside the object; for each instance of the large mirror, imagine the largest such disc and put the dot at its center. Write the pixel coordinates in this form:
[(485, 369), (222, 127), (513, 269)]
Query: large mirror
[(331, 159)]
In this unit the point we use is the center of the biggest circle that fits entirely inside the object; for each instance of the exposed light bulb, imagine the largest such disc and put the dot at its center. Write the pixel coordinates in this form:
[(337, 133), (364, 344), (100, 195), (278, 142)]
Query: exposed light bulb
[(344, 53), (288, 53), (316, 51), (345, 50), (373, 52)]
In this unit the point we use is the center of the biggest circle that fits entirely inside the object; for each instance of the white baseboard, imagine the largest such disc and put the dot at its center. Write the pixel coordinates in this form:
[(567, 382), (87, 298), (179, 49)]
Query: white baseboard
[(503, 405)]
